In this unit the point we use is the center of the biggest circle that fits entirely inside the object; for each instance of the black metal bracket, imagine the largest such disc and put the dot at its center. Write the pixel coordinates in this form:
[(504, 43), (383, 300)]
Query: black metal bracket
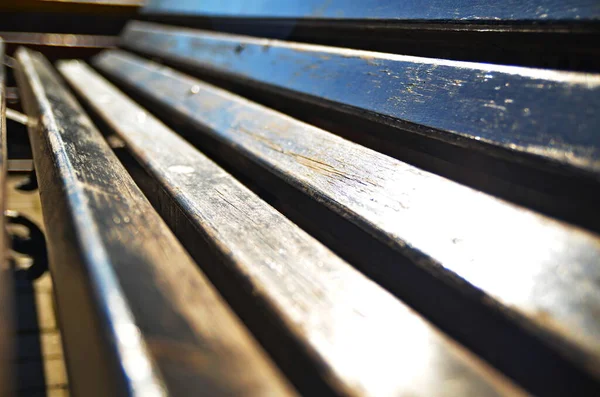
[(33, 245), (30, 184)]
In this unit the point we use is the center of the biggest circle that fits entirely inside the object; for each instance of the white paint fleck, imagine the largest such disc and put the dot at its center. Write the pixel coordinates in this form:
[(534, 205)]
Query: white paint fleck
[(141, 116), (493, 105), (181, 169)]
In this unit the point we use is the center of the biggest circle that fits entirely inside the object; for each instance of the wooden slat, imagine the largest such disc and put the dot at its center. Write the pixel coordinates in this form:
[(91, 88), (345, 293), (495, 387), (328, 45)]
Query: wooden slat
[(541, 113), (6, 285), (137, 316), (537, 274), (364, 340), (58, 40), (524, 134), (387, 10), (74, 6), (58, 45), (547, 33)]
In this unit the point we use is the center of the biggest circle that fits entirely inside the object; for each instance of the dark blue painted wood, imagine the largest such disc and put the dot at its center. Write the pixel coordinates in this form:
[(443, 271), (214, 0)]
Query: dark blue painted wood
[(512, 112), (441, 10)]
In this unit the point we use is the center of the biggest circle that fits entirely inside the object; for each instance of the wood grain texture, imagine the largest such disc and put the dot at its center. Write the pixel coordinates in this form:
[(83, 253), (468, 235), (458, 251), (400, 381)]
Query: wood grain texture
[(6, 287), (525, 135), (566, 40), (364, 340), (539, 274), (137, 316), (539, 113)]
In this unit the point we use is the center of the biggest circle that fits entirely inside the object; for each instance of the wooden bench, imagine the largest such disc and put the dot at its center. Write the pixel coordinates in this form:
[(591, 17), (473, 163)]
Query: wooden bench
[(259, 216)]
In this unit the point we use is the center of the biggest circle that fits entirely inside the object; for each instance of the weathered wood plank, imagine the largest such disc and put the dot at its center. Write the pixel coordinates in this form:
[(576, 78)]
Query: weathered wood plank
[(365, 340), (533, 129), (137, 316), (537, 274), (6, 277), (547, 33), (541, 113), (388, 10)]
